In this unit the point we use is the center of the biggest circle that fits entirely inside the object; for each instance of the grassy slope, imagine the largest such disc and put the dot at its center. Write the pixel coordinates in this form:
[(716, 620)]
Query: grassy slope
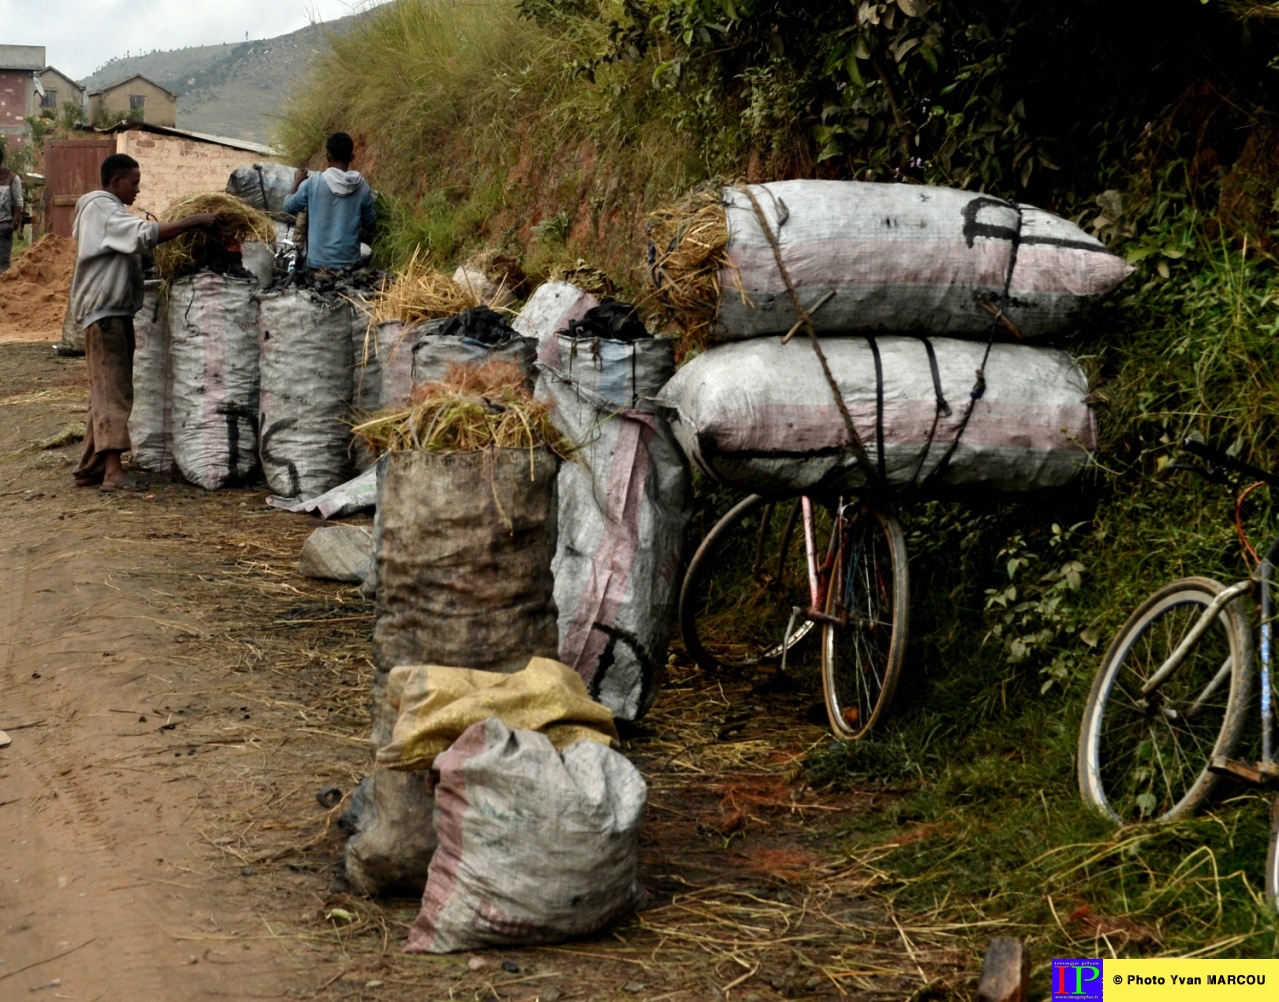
[(467, 121)]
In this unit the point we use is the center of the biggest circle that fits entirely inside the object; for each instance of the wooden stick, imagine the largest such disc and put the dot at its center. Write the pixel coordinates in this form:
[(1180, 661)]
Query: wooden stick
[(38, 963), (811, 310)]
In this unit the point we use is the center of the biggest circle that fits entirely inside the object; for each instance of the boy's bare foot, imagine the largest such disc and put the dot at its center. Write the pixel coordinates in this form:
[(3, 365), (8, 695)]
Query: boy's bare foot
[(123, 484)]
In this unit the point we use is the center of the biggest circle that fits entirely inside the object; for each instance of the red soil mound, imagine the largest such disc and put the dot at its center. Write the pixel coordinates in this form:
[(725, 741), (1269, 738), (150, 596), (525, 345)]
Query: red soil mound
[(33, 292)]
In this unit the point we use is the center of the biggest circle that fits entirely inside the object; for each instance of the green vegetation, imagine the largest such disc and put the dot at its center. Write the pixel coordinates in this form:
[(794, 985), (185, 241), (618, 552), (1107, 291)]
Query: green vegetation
[(547, 129)]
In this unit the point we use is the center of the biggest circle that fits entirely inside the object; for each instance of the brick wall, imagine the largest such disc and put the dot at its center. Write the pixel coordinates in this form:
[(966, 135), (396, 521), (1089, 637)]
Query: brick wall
[(173, 167), (15, 88)]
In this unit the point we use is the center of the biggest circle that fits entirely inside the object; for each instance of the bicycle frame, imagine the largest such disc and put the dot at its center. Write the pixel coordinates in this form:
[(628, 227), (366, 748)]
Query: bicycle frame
[(1267, 770), (819, 578)]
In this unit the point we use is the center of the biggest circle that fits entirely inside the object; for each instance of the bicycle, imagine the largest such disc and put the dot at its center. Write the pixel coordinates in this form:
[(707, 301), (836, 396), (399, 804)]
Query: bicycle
[(1168, 705), (737, 613)]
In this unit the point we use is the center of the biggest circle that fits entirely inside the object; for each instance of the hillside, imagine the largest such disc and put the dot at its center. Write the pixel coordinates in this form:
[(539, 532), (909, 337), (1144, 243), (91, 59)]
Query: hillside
[(235, 89)]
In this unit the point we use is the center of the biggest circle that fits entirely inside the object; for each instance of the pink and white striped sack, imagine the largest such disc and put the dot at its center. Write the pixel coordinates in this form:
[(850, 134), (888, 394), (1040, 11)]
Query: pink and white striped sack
[(624, 500), (535, 845), (151, 420), (906, 258), (213, 336), (760, 415)]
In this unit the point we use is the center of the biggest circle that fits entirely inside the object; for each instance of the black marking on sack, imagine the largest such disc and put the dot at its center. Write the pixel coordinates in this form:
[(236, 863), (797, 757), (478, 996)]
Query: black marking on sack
[(234, 413), (295, 484), (1064, 242), (974, 229), (608, 659)]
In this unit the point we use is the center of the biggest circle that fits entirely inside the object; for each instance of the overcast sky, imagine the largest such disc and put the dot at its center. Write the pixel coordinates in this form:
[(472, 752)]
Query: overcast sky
[(81, 35)]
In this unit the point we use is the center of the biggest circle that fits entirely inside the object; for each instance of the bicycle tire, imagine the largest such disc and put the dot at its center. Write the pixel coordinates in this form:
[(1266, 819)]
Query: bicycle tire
[(1272, 857), (738, 593), (1146, 759), (862, 660)]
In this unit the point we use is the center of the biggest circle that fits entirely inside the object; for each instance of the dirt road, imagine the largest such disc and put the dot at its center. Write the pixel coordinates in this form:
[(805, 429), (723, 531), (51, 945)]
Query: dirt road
[(176, 696)]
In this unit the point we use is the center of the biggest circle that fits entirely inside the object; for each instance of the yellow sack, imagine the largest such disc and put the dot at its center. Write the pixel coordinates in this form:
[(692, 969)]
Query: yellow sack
[(434, 705)]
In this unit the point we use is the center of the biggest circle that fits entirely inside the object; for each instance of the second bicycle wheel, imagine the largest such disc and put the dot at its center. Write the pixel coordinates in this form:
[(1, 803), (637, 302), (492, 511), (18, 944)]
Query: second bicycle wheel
[(746, 577), (1272, 857), (1145, 757), (870, 589)]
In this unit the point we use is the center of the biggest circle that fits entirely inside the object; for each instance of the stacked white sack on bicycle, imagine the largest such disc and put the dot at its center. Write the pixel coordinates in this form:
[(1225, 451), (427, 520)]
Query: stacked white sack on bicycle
[(905, 258), (761, 416), (624, 500)]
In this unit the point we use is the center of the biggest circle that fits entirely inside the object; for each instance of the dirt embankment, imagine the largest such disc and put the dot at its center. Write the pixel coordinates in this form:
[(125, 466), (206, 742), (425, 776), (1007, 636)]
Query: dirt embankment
[(33, 292)]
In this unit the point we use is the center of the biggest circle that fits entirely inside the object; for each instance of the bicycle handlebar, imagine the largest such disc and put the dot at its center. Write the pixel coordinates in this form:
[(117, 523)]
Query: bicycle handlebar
[(1207, 452)]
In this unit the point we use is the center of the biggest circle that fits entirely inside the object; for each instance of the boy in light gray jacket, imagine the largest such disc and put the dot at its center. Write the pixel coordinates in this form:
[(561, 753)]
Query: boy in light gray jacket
[(106, 291)]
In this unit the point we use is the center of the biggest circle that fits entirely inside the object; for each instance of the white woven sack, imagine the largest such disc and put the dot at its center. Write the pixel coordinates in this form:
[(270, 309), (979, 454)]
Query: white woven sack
[(395, 341), (263, 185), (624, 500), (905, 258), (213, 335), (535, 845), (306, 392), (760, 415), (552, 307), (435, 354), (151, 420), (366, 393)]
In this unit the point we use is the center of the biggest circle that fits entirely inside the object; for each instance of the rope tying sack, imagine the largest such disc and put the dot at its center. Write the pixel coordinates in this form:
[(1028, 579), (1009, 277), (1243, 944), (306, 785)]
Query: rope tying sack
[(979, 385), (874, 474)]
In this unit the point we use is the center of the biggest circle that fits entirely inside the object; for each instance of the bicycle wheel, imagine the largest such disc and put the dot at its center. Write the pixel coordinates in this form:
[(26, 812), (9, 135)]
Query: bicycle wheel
[(742, 583), (1145, 758), (1272, 857), (862, 660)]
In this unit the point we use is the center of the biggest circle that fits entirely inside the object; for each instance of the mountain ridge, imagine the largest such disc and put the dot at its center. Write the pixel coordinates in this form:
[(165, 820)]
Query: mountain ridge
[(232, 89)]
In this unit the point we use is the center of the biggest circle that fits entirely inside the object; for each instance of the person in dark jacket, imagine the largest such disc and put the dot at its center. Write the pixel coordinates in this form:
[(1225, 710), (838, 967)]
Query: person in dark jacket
[(10, 211)]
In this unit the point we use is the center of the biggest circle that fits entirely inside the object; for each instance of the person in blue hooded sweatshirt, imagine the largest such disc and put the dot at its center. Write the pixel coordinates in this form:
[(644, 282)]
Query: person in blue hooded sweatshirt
[(338, 203)]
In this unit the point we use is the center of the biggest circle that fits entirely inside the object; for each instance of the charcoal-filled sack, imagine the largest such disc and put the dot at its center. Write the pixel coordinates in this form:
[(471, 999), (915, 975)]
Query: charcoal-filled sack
[(479, 324), (436, 353), (264, 186), (392, 833), (612, 319), (306, 392), (464, 559), (552, 307), (906, 258), (151, 420), (367, 382), (394, 340), (463, 544), (759, 415), (624, 499), (213, 337), (535, 845), (366, 379)]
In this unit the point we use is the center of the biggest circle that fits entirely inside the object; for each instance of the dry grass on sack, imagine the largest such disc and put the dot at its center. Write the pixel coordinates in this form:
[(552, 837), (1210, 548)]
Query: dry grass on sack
[(237, 223), (418, 294), (473, 408), (690, 240)]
